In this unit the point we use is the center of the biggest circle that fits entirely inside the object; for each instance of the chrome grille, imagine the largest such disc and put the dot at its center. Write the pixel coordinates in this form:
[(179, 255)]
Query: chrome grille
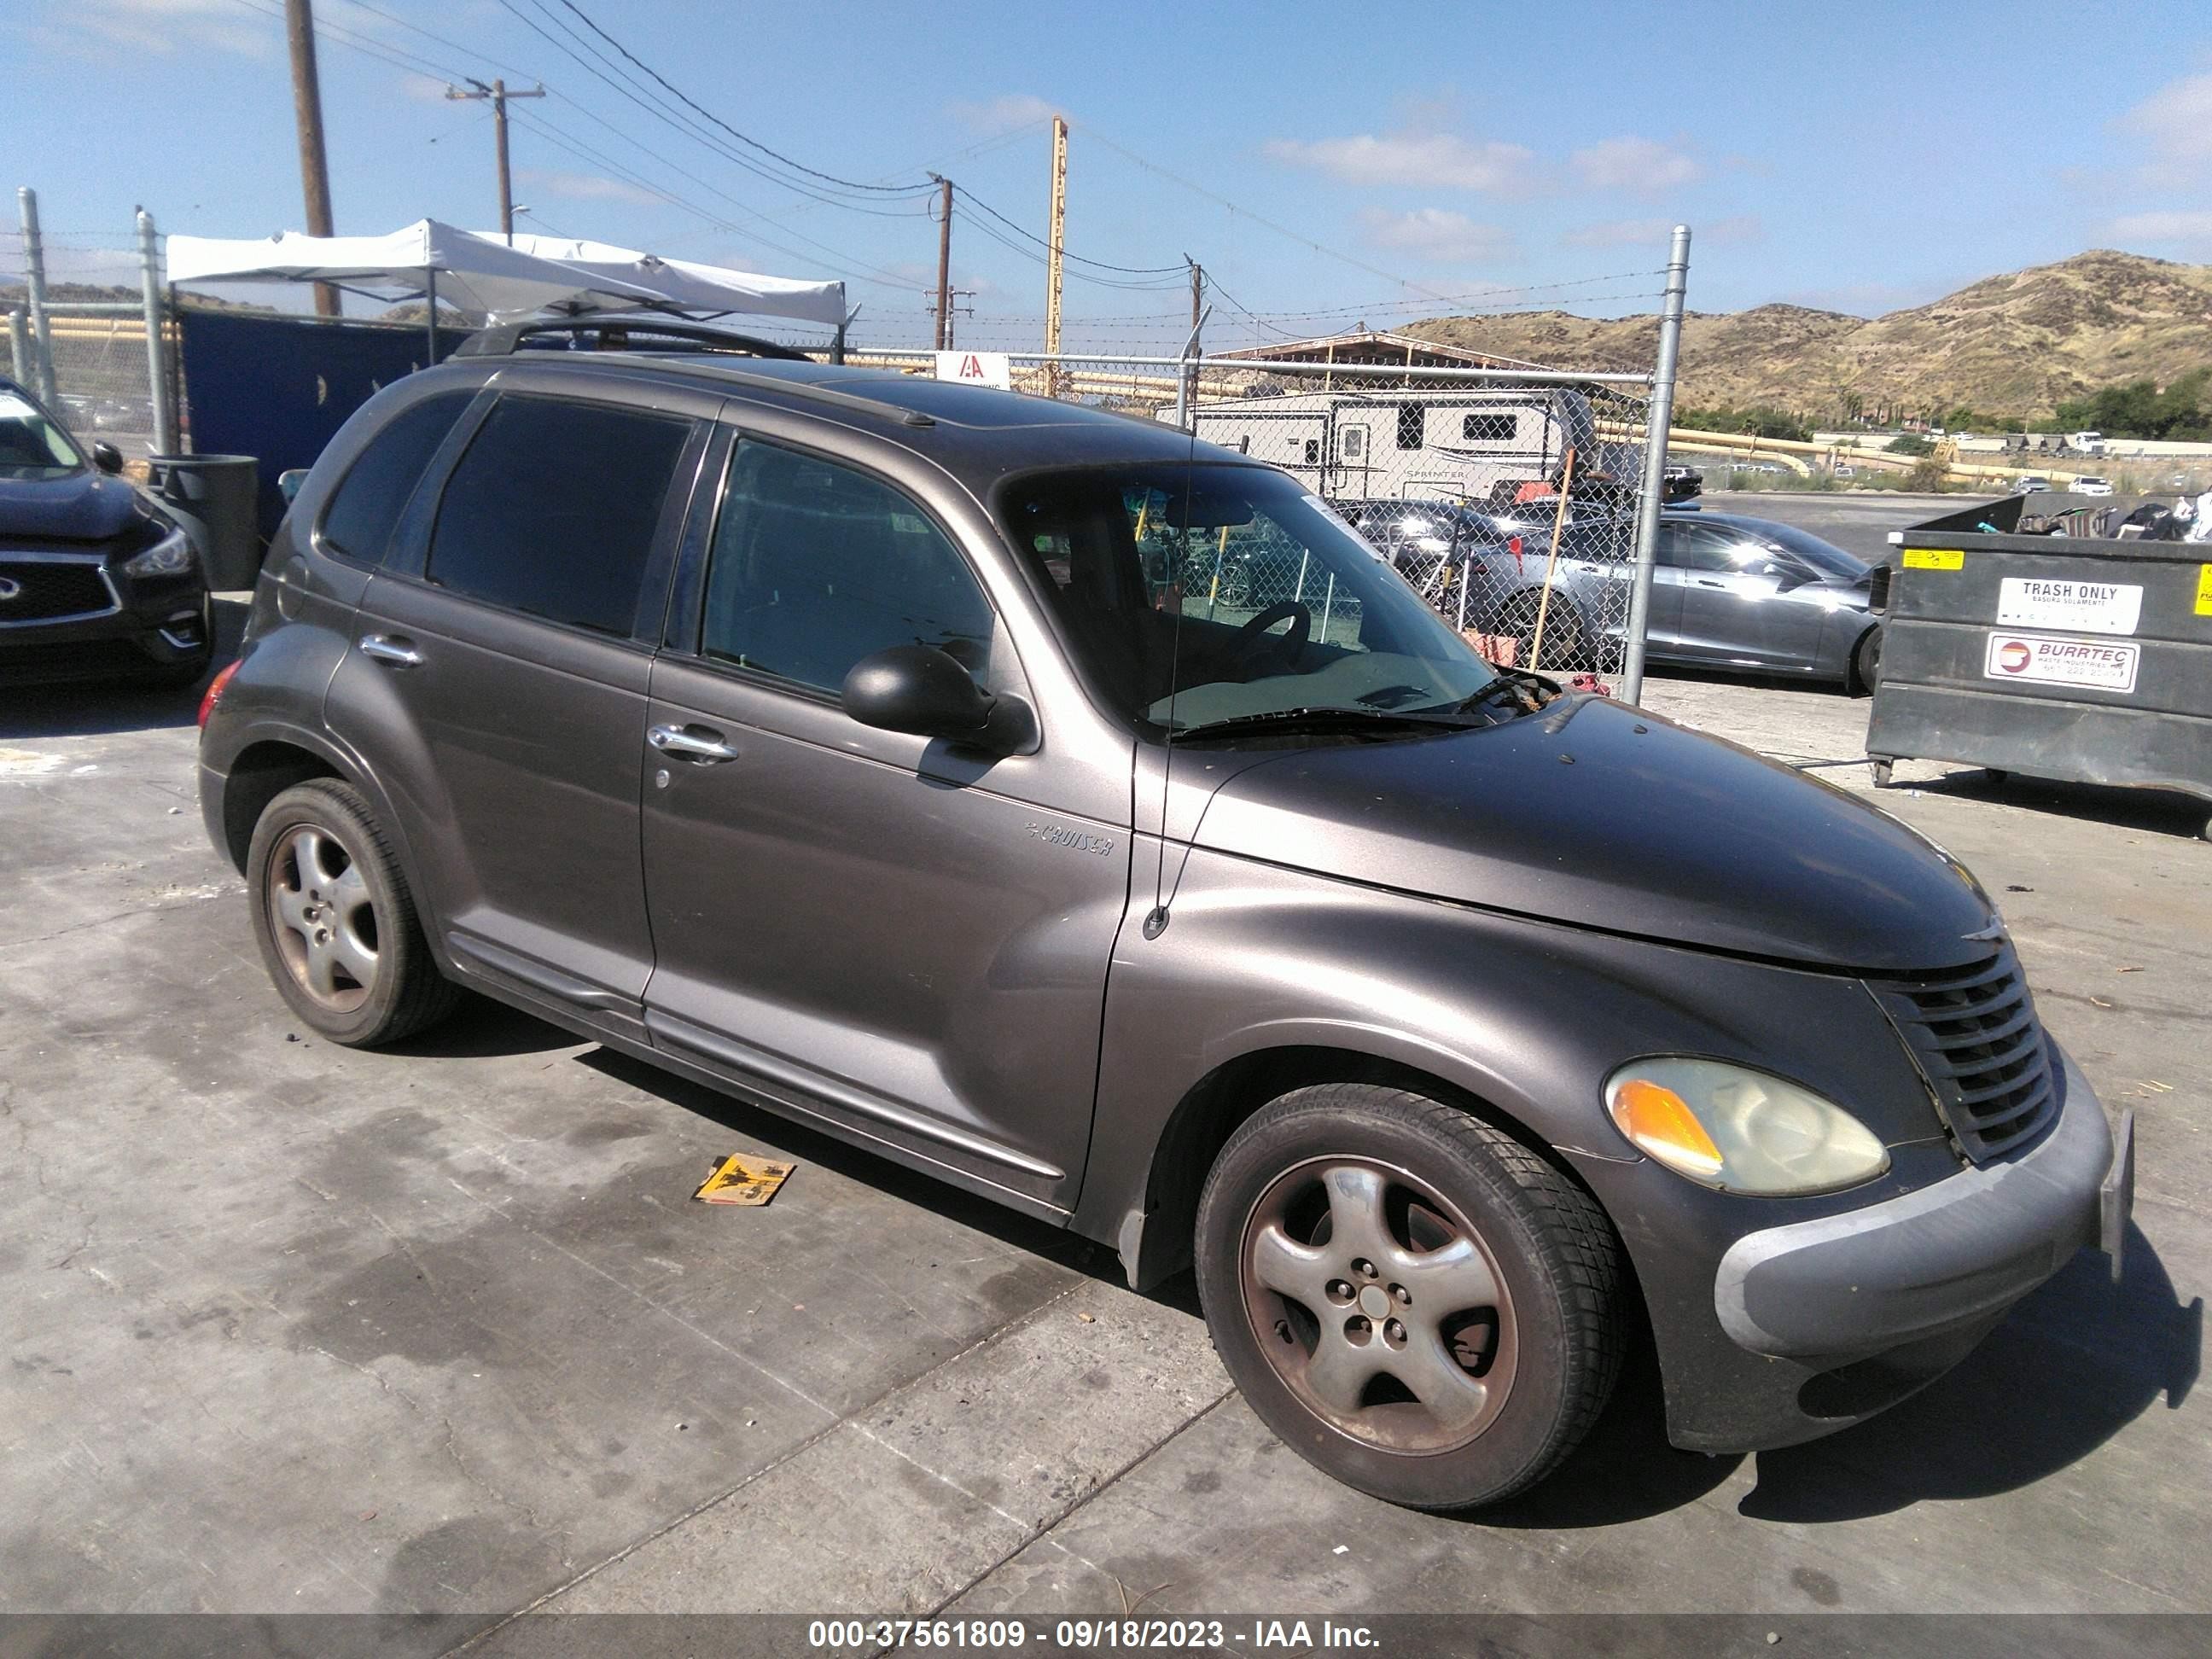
[(1974, 1032), (43, 590)]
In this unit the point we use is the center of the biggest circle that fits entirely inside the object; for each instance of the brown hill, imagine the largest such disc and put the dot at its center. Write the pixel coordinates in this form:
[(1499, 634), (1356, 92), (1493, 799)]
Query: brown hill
[(2011, 345)]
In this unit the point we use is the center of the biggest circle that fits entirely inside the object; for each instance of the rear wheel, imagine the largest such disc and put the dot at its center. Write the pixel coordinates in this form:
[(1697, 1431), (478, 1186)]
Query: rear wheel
[(1417, 1303), (1866, 663), (335, 924), (1563, 636)]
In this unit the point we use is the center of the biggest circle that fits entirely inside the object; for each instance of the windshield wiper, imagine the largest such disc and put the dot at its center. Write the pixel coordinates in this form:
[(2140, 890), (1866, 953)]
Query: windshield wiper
[(1319, 718)]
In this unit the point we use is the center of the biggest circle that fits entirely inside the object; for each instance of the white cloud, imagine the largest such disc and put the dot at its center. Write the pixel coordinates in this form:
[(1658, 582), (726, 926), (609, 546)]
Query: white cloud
[(1439, 235), (1005, 112), (1642, 165), (166, 25), (1431, 160), (2184, 225), (2175, 122), (585, 186)]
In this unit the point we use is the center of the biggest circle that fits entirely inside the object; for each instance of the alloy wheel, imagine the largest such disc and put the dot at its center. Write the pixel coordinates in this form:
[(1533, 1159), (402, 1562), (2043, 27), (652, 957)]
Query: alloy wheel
[(322, 918), (1379, 1305)]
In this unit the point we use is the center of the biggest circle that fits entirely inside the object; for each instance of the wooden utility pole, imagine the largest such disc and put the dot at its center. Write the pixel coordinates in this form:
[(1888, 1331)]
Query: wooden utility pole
[(308, 114), (499, 95), (1197, 300), (1059, 238), (944, 264)]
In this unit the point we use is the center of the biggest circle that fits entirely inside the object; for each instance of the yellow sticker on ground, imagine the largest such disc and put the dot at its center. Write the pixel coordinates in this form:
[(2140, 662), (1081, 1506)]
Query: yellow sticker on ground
[(1934, 558), (2204, 590), (744, 1181)]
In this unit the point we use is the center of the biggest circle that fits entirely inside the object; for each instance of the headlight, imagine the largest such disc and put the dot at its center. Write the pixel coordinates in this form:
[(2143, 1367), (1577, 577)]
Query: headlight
[(1739, 1130), (170, 557)]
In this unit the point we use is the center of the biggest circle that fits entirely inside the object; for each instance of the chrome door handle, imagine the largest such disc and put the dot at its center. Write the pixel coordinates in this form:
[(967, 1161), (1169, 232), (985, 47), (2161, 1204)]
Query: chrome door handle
[(691, 743), (384, 648)]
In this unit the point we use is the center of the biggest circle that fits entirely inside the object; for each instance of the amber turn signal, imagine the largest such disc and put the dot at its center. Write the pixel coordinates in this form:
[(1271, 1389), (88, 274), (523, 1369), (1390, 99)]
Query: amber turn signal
[(1659, 1121)]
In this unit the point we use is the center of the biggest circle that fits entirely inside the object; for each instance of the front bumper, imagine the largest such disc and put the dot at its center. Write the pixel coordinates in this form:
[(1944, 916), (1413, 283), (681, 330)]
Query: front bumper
[(1828, 1322), (158, 625)]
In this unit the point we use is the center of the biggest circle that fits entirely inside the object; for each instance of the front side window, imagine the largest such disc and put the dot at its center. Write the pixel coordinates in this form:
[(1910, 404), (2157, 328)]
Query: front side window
[(1197, 595), (365, 507), (553, 509), (30, 445), (815, 566)]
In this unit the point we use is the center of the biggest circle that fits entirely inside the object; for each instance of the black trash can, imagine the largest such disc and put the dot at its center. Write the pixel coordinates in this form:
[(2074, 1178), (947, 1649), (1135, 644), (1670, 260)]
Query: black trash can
[(2079, 657), (217, 499)]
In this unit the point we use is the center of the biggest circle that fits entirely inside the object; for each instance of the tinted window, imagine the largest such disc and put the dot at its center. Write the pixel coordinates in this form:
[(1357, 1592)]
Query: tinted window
[(1413, 424), (815, 566), (553, 509), (1490, 428), (367, 505)]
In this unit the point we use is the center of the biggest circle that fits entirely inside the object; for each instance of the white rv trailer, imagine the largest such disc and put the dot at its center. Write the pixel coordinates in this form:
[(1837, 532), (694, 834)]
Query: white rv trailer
[(1407, 444)]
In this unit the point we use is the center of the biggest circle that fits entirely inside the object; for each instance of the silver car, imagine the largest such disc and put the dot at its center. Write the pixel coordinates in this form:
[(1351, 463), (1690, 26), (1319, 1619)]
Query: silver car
[(1749, 593)]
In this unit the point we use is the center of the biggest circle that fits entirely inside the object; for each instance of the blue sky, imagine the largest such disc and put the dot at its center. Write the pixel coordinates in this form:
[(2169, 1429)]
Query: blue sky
[(1326, 164)]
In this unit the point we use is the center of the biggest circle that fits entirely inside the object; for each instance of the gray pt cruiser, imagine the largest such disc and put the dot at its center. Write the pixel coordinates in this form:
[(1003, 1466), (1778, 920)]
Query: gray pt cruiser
[(862, 746)]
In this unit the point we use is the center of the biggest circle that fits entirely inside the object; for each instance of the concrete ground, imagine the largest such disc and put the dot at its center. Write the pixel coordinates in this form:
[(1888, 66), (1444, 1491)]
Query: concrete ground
[(293, 1329)]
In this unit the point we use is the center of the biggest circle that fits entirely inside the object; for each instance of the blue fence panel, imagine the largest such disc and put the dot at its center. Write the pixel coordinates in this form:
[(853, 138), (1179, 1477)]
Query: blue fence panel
[(278, 388)]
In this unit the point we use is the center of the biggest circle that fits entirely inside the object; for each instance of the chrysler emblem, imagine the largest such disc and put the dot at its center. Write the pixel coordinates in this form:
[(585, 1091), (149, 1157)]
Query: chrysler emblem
[(9, 587)]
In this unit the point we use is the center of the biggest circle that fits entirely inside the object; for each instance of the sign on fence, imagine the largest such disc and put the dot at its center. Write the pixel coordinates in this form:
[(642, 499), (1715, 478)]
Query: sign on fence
[(977, 368)]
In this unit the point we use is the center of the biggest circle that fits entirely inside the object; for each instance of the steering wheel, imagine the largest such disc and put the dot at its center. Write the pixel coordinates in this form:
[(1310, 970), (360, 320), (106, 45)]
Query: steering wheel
[(1250, 638)]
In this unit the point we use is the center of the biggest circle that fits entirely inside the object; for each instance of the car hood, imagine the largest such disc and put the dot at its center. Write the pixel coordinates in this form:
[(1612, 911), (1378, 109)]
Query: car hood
[(84, 506), (1602, 816)]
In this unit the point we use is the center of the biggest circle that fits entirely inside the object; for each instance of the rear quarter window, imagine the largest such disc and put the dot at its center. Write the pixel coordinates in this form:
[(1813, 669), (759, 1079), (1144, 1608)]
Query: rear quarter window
[(364, 508), (553, 510)]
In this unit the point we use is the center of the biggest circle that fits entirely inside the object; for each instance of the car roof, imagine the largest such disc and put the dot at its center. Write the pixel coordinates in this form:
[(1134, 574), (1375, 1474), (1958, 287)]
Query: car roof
[(978, 434)]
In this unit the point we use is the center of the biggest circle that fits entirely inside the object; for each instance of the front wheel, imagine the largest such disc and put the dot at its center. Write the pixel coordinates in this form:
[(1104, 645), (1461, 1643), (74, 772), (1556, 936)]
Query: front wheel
[(1421, 1305), (335, 924)]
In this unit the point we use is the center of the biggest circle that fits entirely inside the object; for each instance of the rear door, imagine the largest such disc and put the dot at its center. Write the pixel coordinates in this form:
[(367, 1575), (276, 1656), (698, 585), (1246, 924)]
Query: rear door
[(497, 683)]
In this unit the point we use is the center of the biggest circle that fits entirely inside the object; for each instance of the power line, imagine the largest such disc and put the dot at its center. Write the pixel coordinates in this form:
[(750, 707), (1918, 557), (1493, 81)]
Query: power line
[(690, 103), (1131, 271)]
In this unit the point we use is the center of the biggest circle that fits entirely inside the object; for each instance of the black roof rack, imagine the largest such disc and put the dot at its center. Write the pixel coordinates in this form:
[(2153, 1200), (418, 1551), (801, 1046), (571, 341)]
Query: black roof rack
[(628, 331)]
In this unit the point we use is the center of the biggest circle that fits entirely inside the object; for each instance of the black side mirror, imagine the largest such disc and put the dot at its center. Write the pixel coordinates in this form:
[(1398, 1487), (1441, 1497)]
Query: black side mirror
[(107, 458), (920, 689)]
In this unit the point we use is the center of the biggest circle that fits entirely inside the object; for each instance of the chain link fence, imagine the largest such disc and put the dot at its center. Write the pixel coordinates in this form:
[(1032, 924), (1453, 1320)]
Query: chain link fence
[(1507, 497), (92, 303)]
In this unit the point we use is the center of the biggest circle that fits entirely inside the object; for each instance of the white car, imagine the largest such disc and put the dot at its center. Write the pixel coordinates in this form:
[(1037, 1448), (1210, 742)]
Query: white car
[(2028, 483), (2093, 486)]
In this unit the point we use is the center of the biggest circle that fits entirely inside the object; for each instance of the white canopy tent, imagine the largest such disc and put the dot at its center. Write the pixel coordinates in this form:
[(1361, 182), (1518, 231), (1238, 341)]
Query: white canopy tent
[(479, 275)]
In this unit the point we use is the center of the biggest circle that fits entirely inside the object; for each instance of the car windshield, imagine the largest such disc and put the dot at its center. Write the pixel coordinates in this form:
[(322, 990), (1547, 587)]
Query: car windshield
[(32, 446), (1210, 594)]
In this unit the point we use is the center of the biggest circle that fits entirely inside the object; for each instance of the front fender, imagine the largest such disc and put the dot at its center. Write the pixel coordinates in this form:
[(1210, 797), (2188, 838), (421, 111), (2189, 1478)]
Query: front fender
[(1526, 1018)]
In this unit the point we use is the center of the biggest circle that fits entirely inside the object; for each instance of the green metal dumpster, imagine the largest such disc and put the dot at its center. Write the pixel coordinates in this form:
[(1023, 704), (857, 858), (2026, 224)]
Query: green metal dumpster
[(217, 498), (2084, 660)]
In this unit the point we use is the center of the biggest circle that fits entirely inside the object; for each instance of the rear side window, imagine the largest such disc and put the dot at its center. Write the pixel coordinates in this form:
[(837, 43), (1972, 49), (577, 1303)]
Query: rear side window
[(552, 510), (367, 505)]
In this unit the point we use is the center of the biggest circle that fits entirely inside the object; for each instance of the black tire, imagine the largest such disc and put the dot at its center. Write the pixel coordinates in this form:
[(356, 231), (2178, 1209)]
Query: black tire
[(369, 899), (1564, 637), (1549, 1345), (1866, 664)]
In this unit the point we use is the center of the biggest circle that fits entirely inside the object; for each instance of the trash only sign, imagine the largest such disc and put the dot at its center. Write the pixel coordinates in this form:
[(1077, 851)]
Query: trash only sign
[(2083, 607), (977, 368), (2098, 664)]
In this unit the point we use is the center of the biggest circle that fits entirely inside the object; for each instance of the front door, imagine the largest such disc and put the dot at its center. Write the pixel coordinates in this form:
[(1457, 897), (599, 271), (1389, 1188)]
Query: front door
[(499, 673), (878, 929), (1740, 604)]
